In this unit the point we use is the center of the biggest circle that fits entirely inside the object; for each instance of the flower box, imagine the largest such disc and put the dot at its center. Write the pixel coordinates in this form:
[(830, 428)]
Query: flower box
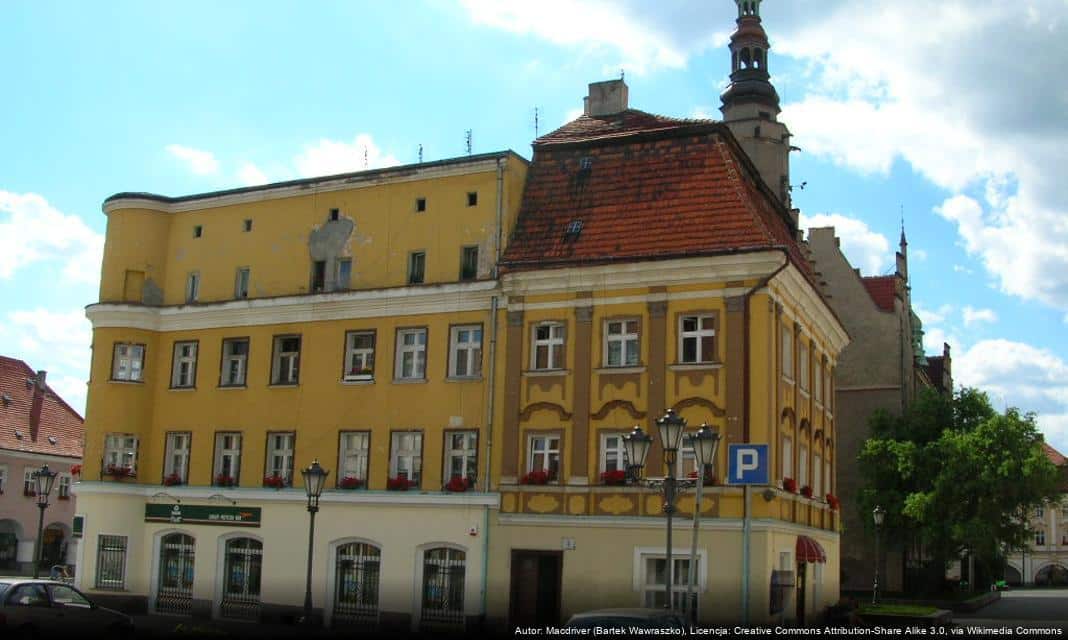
[(789, 484), (223, 480), (63, 497), (832, 501), (274, 481), (458, 484), (400, 483), (616, 478), (118, 472), (76, 469), (536, 477), (806, 491), (172, 480), (709, 479), (349, 483)]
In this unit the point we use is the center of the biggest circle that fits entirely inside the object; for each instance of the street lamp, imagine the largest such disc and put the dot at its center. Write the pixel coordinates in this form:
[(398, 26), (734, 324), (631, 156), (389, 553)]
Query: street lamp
[(705, 443), (636, 444), (44, 478), (314, 480), (878, 514)]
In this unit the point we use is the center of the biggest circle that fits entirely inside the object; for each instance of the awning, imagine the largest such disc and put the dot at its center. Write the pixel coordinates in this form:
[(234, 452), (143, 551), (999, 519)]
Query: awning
[(808, 550)]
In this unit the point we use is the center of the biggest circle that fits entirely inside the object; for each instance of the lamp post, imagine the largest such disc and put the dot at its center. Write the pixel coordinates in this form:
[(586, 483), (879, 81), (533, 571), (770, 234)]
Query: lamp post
[(670, 427), (878, 514), (43, 478), (314, 480), (705, 443)]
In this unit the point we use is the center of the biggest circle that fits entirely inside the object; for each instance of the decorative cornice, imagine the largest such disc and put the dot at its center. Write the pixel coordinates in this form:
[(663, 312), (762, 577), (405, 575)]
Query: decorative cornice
[(527, 411), (444, 298), (697, 401), (645, 522), (793, 287), (626, 405)]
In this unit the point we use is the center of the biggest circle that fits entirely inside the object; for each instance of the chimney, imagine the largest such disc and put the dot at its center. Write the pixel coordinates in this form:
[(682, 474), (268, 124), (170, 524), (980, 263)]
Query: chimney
[(606, 98), (38, 402)]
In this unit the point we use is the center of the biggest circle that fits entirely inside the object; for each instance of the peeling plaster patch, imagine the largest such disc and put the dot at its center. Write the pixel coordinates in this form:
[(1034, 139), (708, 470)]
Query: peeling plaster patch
[(151, 293), (330, 242)]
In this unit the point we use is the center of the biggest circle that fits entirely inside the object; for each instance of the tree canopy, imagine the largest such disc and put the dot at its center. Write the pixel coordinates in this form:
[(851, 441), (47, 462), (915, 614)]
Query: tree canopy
[(956, 476)]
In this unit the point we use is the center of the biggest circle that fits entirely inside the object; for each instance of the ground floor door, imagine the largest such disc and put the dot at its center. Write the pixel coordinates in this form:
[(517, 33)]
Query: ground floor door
[(536, 588), (801, 593)]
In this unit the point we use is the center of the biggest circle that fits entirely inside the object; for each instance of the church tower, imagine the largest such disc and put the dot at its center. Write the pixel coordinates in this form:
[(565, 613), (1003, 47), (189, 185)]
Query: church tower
[(751, 104)]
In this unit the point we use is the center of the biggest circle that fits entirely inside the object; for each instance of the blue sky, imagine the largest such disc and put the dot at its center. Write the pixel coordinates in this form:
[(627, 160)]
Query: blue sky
[(946, 124)]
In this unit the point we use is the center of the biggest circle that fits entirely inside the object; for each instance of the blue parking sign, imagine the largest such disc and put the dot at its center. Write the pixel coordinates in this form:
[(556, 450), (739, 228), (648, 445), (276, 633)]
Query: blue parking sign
[(747, 464)]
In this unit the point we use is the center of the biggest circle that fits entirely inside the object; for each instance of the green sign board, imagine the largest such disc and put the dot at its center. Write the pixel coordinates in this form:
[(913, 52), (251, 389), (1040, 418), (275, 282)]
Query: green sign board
[(78, 528), (203, 514)]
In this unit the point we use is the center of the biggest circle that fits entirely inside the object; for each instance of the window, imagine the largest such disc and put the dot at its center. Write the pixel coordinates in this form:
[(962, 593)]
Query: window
[(411, 354), (111, 562), (621, 343), (343, 274), (817, 476), (63, 481), (817, 382), (198, 231), (318, 278), (241, 283), (192, 286), (787, 457), (548, 346), (285, 368), (472, 198), (406, 456), (359, 355), (1064, 511), (469, 263), (184, 366), (1040, 538), (29, 481), (416, 267), (788, 353), (280, 456), (176, 462), (356, 576), (128, 362), (234, 362), (827, 385), (544, 455), (444, 571), (697, 339), (802, 362), (686, 461), (28, 595), (242, 574), (248, 225), (654, 581), (827, 486), (67, 597), (3, 479), (1040, 512), (352, 455), (420, 204), (227, 468), (461, 455), (465, 351), (120, 452), (802, 465), (613, 453), (334, 215)]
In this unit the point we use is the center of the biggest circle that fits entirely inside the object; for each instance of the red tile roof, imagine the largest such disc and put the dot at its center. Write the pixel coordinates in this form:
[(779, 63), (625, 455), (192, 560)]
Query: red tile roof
[(643, 186), (882, 290), (58, 419), (1056, 457)]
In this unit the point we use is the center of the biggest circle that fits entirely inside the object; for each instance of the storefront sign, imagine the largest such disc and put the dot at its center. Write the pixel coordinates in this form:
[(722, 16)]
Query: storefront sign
[(203, 514)]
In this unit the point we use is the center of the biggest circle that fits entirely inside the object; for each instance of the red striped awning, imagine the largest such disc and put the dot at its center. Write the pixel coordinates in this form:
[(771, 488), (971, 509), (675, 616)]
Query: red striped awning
[(808, 550)]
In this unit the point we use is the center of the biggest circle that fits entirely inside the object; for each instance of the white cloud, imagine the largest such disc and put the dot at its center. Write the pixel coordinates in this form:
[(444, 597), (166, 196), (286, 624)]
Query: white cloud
[(962, 269), (971, 315), (250, 175), (56, 341), (931, 317), (328, 157), (918, 254), (863, 247), (572, 114), (32, 230), (199, 162)]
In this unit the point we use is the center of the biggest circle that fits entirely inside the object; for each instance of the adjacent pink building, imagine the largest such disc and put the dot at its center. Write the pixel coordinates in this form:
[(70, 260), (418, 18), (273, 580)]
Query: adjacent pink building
[(36, 428)]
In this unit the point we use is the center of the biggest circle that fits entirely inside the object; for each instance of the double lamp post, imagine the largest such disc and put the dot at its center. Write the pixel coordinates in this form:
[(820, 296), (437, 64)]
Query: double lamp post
[(43, 480)]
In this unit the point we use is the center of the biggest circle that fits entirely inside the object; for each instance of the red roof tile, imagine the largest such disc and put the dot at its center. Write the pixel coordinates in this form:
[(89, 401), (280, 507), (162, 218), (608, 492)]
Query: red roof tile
[(1056, 457), (882, 290), (58, 419), (643, 186)]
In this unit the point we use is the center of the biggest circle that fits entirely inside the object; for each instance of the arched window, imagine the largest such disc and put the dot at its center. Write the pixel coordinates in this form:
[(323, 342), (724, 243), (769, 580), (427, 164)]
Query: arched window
[(747, 61), (175, 590), (356, 570), (241, 579), (444, 573), (758, 58)]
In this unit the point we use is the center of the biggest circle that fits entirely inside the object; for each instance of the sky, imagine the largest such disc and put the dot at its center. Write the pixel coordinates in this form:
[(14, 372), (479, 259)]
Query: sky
[(949, 116)]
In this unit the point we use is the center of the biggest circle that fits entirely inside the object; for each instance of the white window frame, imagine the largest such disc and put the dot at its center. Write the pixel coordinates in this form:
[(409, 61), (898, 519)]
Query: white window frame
[(406, 458), (788, 353), (29, 481), (417, 351), (802, 360), (290, 359), (802, 466), (828, 487), (112, 584), (342, 282), (120, 449), (547, 452), (788, 458), (281, 447), (3, 478), (553, 346), (817, 381), (413, 268), (817, 476), (697, 336), (354, 449), (240, 378), (1040, 512), (222, 452), (176, 458), (63, 485), (128, 362), (359, 359), (466, 453), (1040, 537), (645, 588), (466, 353), (630, 345), (192, 286), (614, 455), (184, 365), (241, 282)]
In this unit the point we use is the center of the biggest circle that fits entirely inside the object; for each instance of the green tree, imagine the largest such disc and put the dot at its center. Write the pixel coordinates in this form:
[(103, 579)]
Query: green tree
[(955, 477)]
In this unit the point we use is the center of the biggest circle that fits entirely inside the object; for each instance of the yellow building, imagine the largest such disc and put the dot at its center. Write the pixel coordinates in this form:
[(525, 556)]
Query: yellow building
[(242, 334)]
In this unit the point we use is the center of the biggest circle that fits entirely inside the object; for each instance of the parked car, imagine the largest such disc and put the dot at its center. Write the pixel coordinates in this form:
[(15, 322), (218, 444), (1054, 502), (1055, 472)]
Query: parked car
[(51, 609), (626, 619)]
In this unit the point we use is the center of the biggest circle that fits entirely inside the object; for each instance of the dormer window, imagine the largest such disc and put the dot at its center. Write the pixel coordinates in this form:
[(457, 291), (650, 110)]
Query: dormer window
[(572, 230)]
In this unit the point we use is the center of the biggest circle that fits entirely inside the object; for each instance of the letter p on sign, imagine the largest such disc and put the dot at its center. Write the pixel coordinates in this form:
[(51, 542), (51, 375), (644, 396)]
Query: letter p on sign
[(747, 464)]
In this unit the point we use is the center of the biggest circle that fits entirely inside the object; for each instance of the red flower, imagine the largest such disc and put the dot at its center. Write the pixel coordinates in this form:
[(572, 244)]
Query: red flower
[(400, 483), (223, 480), (832, 500), (614, 478), (274, 481), (459, 484), (806, 491), (709, 479), (172, 480), (535, 477), (76, 469), (349, 482), (789, 484), (119, 471)]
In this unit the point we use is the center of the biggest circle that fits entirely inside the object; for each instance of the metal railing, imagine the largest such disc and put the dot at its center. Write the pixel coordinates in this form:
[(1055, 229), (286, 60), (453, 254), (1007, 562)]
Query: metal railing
[(356, 569), (175, 592), (443, 588), (241, 587), (111, 562)]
